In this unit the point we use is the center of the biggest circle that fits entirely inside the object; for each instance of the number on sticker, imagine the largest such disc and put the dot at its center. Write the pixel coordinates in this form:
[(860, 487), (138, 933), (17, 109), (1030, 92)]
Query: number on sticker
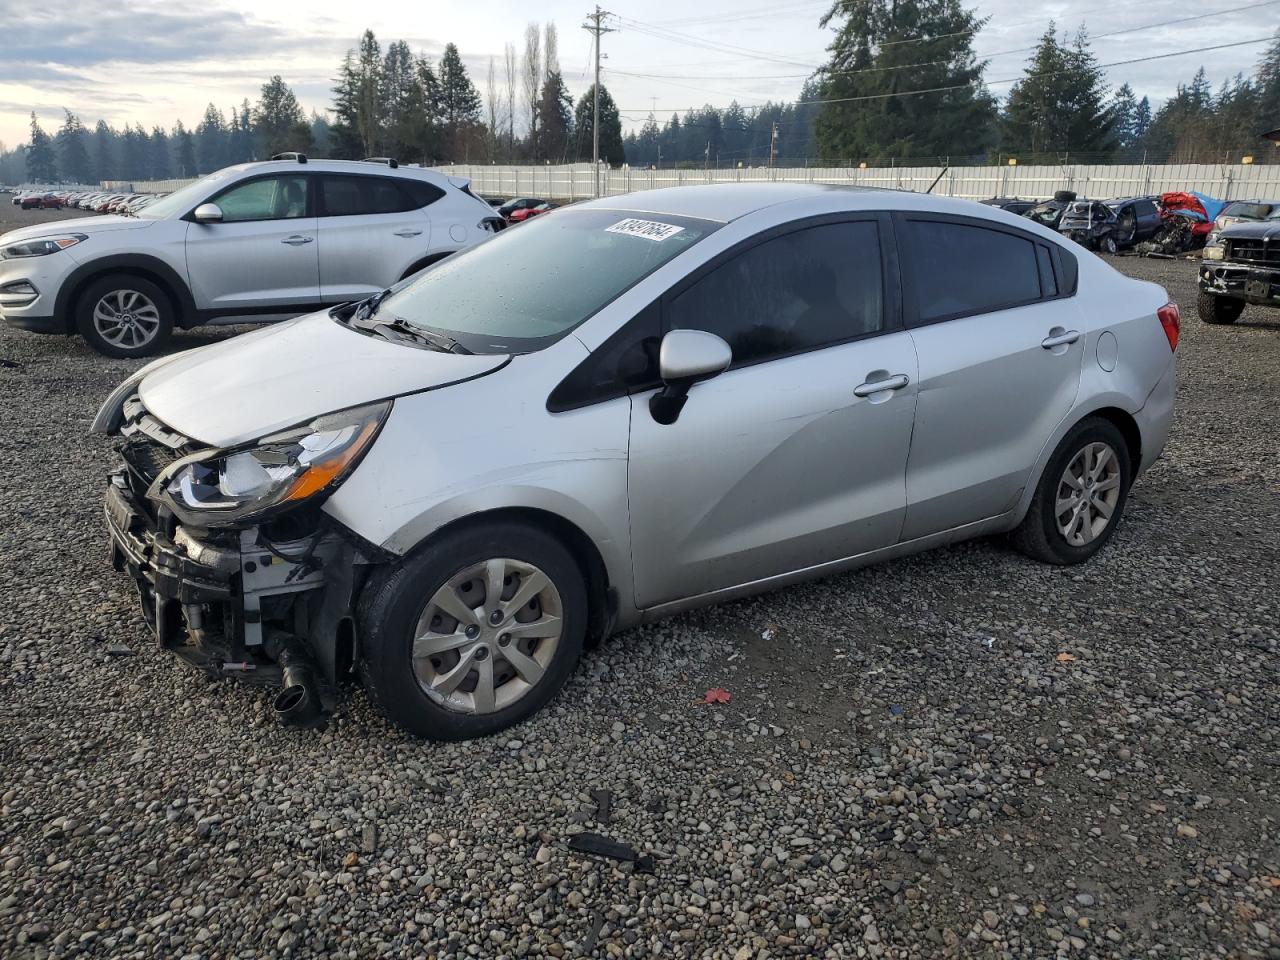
[(645, 229)]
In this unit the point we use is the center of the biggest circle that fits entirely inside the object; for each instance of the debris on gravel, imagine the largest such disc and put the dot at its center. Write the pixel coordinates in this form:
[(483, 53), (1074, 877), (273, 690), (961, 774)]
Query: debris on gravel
[(907, 767)]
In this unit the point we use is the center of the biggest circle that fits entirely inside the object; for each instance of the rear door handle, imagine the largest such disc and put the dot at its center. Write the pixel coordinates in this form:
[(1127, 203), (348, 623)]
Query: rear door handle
[(879, 386), (408, 232), (297, 240), (1060, 339)]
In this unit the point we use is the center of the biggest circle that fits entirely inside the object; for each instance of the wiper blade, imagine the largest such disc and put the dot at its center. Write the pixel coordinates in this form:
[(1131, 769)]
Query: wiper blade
[(432, 338), (370, 306)]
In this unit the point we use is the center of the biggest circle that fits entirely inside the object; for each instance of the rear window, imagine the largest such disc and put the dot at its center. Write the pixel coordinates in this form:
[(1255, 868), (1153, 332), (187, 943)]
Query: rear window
[(348, 196), (960, 269)]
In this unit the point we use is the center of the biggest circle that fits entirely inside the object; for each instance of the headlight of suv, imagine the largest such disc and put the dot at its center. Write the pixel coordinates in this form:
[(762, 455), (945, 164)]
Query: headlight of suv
[(40, 247), (282, 470), (1213, 253)]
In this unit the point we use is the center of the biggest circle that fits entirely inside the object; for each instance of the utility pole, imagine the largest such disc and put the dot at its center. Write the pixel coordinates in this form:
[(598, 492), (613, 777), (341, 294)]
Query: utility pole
[(596, 27), (773, 144)]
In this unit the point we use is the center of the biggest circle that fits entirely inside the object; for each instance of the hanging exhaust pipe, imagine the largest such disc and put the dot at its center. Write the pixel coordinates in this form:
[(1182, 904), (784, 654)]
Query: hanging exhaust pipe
[(298, 702)]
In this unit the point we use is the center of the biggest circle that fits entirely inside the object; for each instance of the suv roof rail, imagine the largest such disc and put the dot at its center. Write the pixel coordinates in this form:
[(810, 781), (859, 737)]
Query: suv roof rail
[(389, 161), (291, 155)]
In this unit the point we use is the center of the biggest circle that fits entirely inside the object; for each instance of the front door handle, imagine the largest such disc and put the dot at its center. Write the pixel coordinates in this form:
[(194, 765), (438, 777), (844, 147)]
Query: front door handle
[(1060, 338), (408, 232), (297, 240), (880, 386)]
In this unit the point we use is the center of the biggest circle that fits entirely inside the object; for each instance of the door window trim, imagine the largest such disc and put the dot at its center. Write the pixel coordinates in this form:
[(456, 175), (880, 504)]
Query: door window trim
[(307, 178), (910, 304)]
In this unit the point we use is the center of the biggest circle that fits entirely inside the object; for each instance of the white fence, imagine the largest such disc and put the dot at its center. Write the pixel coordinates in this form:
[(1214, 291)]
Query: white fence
[(575, 181)]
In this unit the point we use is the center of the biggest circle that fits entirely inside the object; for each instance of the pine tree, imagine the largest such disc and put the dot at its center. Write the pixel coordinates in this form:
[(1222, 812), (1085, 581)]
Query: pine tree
[(321, 134), (1060, 104), (134, 144), (42, 165), (460, 105), (159, 162), (211, 141), (278, 122), (555, 119), (370, 105), (869, 60), (398, 79), (1123, 116), (104, 152), (73, 152), (1268, 89), (184, 151), (345, 133), (1141, 120), (611, 150)]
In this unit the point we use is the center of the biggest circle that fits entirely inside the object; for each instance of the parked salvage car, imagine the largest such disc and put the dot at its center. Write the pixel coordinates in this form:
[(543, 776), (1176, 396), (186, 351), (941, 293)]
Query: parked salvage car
[(705, 392), (1011, 204), (1237, 211), (1049, 213), (1248, 272), (526, 213), (254, 242), (506, 209)]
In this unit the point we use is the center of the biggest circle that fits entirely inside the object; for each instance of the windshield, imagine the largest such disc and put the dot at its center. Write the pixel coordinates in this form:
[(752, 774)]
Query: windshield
[(180, 201), (533, 283), (1249, 210)]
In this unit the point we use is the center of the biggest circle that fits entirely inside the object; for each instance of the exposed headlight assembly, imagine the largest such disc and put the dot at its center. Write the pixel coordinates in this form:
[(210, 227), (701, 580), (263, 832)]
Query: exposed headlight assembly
[(1213, 253), (40, 247), (282, 470)]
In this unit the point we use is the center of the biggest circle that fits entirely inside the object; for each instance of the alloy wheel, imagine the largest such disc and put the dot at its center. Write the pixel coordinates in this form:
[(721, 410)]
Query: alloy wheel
[(487, 636), (126, 318), (1088, 494)]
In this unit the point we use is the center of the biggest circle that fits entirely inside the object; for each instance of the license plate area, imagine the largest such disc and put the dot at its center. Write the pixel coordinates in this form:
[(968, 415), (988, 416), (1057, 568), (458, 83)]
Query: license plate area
[(1257, 289)]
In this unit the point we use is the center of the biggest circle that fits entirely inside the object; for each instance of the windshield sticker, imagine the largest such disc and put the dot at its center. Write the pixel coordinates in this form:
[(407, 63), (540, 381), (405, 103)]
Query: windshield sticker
[(645, 229)]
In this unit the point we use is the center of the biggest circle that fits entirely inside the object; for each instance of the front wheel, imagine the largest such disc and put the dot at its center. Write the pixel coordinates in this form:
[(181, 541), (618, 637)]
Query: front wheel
[(475, 633), (1218, 310), (1108, 245), (1081, 496), (124, 316)]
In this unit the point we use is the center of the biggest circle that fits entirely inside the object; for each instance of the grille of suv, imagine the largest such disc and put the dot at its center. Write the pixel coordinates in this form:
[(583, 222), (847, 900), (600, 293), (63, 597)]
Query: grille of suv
[(1252, 251)]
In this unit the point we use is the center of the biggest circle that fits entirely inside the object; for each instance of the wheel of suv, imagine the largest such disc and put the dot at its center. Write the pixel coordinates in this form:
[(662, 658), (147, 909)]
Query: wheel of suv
[(1080, 497), (124, 316), (1218, 310), (1108, 244), (474, 633)]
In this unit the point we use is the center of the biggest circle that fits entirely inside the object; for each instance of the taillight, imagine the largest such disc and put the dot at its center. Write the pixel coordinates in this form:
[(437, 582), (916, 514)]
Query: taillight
[(1171, 320)]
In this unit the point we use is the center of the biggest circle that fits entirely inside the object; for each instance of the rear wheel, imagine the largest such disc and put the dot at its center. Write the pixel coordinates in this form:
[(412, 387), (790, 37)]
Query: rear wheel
[(1081, 496), (475, 633), (124, 316), (1218, 310)]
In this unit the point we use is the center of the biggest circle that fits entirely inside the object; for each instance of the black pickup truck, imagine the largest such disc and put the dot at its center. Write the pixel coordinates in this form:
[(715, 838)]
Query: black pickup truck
[(1248, 271)]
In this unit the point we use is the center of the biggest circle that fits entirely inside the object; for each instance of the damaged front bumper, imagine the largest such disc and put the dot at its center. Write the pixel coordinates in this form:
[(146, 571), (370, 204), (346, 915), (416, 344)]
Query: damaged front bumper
[(1256, 284), (270, 605)]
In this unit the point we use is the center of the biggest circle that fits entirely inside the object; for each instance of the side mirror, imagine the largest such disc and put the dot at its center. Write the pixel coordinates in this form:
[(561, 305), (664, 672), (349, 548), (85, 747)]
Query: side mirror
[(207, 213), (686, 356)]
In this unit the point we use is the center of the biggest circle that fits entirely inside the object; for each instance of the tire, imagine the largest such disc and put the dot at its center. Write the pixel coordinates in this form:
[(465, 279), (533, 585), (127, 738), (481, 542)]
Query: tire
[(402, 604), (1040, 535), (1218, 310), (149, 315), (1108, 245)]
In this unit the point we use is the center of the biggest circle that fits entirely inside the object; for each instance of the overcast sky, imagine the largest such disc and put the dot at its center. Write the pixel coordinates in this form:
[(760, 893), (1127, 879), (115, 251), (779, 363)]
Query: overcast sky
[(157, 62)]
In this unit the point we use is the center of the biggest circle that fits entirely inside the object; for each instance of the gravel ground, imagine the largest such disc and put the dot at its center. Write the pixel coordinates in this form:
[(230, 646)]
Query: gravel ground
[(908, 767)]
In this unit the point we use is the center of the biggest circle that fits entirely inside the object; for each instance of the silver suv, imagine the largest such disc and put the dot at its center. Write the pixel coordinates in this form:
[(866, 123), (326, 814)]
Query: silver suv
[(259, 241)]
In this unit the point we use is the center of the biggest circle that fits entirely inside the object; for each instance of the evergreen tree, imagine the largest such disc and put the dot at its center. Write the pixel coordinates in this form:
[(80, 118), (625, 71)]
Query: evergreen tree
[(104, 152), (184, 151), (73, 151), (321, 134), (611, 150), (1124, 115), (159, 161), (370, 106), (134, 149), (211, 141), (1060, 104), (13, 164), (869, 60), (1268, 89), (399, 77), (1141, 120), (424, 132), (278, 122), (460, 105), (555, 119), (344, 131), (42, 165)]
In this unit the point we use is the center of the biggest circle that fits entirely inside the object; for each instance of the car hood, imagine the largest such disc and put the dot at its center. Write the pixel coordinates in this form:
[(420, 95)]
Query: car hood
[(1254, 230), (241, 389), (87, 225)]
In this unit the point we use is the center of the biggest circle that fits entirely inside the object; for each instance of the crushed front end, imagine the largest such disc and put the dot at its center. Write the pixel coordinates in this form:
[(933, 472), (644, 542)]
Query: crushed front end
[(1247, 268), (267, 598)]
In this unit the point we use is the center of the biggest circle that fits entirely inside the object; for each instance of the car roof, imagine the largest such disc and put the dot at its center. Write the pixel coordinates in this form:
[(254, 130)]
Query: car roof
[(348, 166), (725, 202)]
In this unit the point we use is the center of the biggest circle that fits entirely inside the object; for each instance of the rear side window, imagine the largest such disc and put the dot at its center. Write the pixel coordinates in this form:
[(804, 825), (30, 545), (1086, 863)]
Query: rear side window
[(804, 290), (349, 196), (959, 269)]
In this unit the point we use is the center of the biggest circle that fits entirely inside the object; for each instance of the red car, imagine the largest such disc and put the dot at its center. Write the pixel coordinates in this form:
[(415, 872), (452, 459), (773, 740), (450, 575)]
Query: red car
[(42, 201), (519, 216)]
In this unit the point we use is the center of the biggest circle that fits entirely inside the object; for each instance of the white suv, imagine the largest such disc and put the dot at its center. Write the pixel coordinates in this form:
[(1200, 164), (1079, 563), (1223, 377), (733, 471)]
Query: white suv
[(259, 241)]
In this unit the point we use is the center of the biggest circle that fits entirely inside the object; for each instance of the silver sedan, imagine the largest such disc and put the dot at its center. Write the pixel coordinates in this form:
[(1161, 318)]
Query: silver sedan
[(623, 410)]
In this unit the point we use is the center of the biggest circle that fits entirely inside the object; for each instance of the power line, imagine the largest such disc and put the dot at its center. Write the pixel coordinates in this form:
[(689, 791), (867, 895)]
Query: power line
[(1029, 76)]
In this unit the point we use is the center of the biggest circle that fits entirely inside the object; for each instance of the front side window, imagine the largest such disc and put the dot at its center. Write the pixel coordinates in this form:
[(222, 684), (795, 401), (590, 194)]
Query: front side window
[(269, 198), (525, 289), (183, 200), (804, 290), (960, 269)]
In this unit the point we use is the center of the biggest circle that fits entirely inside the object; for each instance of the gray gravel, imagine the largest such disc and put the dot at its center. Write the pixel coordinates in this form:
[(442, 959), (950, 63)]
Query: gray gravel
[(905, 768)]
